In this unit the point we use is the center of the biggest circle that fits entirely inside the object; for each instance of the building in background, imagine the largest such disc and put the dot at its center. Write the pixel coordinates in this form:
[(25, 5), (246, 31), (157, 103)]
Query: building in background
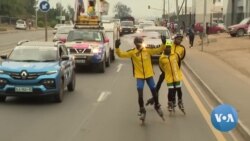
[(235, 10)]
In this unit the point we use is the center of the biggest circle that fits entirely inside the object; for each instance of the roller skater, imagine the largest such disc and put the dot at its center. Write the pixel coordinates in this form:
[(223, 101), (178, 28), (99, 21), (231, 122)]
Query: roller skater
[(143, 71)]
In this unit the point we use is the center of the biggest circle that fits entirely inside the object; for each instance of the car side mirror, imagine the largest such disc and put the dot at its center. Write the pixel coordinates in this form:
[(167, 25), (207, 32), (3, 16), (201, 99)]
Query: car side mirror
[(106, 40), (4, 56), (62, 40), (65, 57)]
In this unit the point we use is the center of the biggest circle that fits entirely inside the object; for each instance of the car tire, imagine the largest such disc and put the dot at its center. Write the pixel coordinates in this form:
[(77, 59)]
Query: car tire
[(2, 98), (108, 61), (71, 86), (59, 96), (233, 35), (101, 67), (113, 55), (240, 32)]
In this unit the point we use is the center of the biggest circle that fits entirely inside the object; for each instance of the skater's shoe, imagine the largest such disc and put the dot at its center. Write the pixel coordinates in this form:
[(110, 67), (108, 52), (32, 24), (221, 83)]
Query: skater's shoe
[(158, 110), (170, 106), (150, 102), (180, 105), (142, 114)]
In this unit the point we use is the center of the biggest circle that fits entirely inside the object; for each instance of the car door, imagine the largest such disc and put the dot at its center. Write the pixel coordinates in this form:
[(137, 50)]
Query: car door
[(66, 64)]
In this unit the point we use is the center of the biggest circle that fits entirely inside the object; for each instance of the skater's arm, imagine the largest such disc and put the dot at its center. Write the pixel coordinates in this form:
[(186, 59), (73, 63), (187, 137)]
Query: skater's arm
[(123, 54), (158, 50)]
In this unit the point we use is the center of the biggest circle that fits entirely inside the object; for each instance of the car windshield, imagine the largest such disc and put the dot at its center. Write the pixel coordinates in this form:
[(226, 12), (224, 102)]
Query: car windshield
[(244, 21), (33, 54), (84, 35), (161, 32), (145, 25), (127, 23), (20, 22), (64, 30)]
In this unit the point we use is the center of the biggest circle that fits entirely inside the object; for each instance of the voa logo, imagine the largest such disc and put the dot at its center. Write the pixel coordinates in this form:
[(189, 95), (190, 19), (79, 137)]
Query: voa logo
[(224, 117)]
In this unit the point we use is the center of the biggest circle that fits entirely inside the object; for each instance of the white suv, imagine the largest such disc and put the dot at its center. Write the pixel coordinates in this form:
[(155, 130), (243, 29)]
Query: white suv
[(21, 24)]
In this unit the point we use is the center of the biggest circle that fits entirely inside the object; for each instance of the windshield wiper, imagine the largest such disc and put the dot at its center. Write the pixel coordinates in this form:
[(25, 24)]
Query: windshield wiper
[(30, 60), (49, 60)]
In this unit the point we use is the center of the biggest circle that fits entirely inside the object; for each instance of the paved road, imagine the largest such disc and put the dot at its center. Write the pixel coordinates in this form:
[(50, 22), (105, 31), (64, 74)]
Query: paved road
[(8, 40), (104, 107)]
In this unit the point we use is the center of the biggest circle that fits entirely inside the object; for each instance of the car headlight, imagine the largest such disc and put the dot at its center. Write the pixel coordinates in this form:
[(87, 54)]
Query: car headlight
[(51, 72), (49, 83), (1, 72)]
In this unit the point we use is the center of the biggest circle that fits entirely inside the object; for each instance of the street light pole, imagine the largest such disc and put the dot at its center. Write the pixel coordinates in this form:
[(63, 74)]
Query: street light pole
[(163, 15), (204, 24)]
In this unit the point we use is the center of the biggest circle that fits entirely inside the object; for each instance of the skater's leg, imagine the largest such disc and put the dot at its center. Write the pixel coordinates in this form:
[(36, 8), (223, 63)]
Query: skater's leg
[(171, 95), (158, 86), (140, 85), (151, 84), (160, 80)]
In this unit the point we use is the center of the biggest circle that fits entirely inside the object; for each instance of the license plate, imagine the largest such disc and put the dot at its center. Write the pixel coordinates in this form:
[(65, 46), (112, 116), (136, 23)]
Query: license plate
[(80, 61), (23, 89)]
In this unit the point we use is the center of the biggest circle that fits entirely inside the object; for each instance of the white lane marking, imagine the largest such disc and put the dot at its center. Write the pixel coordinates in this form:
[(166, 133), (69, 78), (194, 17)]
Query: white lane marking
[(103, 96), (119, 67)]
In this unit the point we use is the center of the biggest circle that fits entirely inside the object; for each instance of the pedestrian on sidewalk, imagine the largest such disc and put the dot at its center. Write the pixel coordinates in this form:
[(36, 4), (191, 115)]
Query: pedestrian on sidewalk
[(180, 50), (191, 35), (207, 32), (143, 70)]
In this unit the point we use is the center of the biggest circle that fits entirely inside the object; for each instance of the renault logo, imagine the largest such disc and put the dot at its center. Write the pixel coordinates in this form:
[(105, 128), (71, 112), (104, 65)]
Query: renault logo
[(24, 74)]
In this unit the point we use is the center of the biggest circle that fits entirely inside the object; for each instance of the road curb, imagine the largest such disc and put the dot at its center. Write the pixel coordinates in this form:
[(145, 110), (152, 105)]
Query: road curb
[(241, 128), (16, 31)]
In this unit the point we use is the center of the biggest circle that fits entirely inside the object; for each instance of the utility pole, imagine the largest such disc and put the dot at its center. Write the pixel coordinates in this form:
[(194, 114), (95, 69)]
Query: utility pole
[(204, 24), (177, 15), (168, 12), (163, 13)]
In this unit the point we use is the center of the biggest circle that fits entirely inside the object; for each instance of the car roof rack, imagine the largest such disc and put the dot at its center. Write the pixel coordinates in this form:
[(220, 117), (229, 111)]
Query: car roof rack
[(86, 22), (21, 42)]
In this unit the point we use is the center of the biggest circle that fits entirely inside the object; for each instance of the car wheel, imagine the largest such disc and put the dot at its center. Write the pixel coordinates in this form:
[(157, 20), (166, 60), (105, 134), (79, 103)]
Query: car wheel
[(101, 67), (240, 32), (233, 35), (113, 55), (59, 96), (108, 61), (2, 98), (71, 86)]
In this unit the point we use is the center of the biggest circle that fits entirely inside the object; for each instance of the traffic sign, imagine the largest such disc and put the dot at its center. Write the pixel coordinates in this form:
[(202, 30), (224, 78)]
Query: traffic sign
[(44, 6)]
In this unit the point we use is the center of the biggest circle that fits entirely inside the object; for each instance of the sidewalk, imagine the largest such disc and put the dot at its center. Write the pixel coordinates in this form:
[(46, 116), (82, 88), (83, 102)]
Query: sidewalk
[(224, 65)]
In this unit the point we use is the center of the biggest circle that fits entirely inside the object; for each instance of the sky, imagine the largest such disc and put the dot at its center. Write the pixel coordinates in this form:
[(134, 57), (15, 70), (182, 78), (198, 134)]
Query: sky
[(139, 7)]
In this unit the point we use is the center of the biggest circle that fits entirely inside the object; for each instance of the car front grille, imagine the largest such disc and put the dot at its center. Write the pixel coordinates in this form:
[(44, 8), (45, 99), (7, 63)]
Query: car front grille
[(78, 51), (30, 76)]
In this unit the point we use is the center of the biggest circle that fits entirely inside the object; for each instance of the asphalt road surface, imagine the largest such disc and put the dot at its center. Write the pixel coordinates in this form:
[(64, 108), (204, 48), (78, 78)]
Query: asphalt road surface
[(103, 108)]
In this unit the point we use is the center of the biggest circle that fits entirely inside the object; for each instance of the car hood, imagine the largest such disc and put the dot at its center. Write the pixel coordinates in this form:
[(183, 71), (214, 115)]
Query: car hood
[(61, 36), (29, 66), (81, 45), (152, 41), (236, 25)]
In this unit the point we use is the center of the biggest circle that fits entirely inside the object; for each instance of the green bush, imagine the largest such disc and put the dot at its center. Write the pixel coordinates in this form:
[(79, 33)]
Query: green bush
[(40, 24), (52, 24)]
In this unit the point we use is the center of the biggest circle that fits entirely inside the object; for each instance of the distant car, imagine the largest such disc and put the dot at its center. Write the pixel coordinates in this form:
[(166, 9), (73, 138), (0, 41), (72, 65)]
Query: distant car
[(239, 29), (62, 33), (160, 29), (56, 27), (21, 24), (127, 27), (35, 69), (90, 46), (248, 31), (143, 25), (213, 28)]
